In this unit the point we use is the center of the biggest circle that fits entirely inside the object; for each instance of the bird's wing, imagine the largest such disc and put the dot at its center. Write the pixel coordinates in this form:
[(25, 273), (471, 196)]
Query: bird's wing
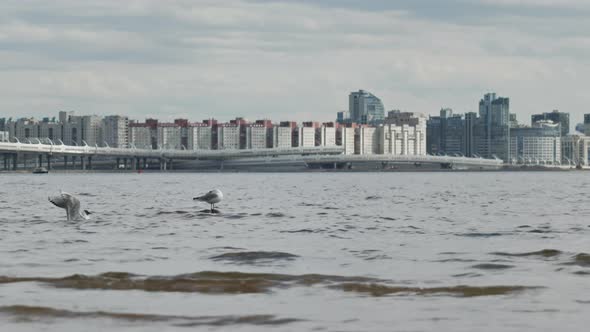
[(73, 207), (59, 201), (208, 196)]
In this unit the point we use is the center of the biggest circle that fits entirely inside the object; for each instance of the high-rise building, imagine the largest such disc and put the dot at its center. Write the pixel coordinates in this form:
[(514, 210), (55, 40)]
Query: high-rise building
[(468, 132), (309, 134), (328, 134), (199, 136), (81, 130), (433, 135), (412, 128), (557, 117), (584, 127), (115, 131), (513, 121), (575, 150), (343, 117), (23, 129), (140, 135), (4, 135), (259, 134), (540, 143), (285, 135), (402, 140), (50, 129), (493, 127), (169, 136), (365, 108), (367, 141), (345, 137), (228, 136), (445, 133)]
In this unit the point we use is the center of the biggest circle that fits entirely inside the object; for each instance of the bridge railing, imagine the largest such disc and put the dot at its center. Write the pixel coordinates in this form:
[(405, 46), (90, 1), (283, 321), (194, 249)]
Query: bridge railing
[(406, 158), (317, 154), (161, 153)]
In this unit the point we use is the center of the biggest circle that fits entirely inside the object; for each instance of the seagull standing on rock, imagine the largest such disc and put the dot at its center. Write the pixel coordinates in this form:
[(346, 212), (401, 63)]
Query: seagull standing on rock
[(71, 204), (212, 197)]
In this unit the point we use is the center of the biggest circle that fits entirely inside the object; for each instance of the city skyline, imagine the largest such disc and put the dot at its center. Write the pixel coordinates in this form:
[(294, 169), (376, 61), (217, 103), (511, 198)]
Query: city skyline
[(290, 60)]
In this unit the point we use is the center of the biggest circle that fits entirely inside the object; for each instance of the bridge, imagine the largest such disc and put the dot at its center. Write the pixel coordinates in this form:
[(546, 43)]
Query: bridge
[(390, 161), (311, 156), (14, 151)]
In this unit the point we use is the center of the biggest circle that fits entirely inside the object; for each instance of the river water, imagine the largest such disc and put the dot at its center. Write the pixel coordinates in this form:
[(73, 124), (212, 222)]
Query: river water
[(491, 251)]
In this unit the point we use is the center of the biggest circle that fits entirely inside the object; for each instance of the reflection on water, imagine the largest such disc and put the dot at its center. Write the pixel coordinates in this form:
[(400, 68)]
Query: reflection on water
[(307, 251)]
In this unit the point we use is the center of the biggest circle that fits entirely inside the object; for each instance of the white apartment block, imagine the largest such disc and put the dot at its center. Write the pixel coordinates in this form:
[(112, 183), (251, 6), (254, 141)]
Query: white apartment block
[(50, 130), (228, 136), (199, 137), (536, 149), (169, 136), (257, 136), (283, 137), (575, 150), (140, 136), (23, 129), (307, 136), (115, 131), (328, 136), (403, 140), (4, 135), (82, 129), (348, 140), (368, 140)]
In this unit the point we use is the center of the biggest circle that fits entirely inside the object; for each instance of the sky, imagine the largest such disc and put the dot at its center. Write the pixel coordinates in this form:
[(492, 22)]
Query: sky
[(290, 60)]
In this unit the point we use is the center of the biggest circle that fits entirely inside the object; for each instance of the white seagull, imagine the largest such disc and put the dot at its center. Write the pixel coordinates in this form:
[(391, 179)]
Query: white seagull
[(71, 204), (212, 197)]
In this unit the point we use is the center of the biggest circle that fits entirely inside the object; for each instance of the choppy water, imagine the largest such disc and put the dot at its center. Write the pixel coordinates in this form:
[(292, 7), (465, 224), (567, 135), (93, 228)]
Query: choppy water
[(294, 252)]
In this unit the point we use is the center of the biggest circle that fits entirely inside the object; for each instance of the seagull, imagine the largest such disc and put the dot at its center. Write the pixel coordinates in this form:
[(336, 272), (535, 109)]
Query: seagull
[(71, 204), (212, 197)]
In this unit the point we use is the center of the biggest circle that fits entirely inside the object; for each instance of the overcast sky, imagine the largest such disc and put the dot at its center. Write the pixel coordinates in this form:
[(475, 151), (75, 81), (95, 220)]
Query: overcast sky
[(290, 60)]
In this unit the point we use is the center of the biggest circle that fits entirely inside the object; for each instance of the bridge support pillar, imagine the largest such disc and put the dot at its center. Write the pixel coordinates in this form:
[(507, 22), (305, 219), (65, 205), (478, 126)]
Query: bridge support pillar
[(125, 163), (48, 162), (118, 163), (40, 159), (82, 164), (5, 157), (24, 161), (65, 162), (134, 164), (14, 161), (170, 164), (90, 163), (144, 163)]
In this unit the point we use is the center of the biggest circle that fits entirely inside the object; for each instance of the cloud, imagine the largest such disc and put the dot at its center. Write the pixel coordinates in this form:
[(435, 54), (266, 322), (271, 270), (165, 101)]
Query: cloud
[(290, 59)]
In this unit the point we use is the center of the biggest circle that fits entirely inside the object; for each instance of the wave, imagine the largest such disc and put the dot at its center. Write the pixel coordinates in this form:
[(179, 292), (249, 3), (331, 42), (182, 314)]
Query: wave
[(492, 266), (212, 282), (253, 256), (460, 291), (186, 321), (581, 259), (544, 253)]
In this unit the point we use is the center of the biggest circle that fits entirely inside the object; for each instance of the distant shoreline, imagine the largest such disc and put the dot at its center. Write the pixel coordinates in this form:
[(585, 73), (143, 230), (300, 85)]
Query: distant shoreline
[(408, 170)]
